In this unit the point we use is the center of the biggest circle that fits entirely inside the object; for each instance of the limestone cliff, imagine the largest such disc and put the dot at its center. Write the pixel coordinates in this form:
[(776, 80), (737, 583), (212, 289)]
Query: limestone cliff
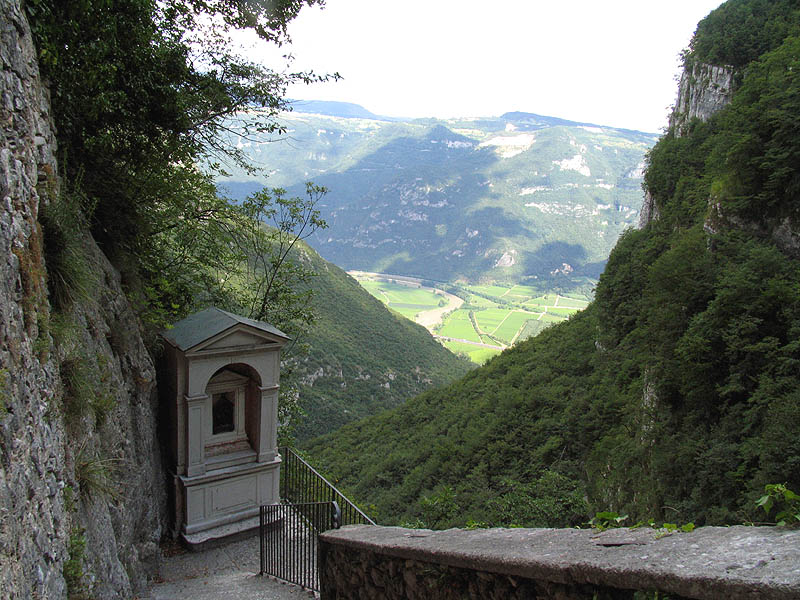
[(702, 91), (96, 479)]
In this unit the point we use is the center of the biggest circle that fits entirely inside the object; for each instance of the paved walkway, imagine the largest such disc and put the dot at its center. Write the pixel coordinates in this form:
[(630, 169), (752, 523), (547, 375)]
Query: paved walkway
[(227, 572)]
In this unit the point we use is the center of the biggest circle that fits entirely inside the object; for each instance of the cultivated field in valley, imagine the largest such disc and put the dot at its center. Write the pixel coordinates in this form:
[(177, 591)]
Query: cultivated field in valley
[(476, 320)]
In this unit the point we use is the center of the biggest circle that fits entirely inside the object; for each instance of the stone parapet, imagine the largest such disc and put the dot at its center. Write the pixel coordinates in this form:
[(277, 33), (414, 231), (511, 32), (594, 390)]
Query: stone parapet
[(708, 563)]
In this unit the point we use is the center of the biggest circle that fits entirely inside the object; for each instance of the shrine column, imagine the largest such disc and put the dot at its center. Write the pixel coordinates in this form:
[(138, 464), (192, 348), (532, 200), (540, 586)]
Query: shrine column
[(195, 444), (268, 424)]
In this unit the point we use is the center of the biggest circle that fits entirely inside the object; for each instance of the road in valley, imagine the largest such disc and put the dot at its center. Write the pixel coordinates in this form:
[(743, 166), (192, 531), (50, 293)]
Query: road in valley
[(470, 342), (427, 318)]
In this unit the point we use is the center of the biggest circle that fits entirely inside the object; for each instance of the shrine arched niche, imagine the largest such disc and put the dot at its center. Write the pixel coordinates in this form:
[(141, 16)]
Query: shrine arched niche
[(232, 414)]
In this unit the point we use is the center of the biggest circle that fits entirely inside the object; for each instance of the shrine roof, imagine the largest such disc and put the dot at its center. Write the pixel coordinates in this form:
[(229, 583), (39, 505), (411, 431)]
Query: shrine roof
[(199, 327)]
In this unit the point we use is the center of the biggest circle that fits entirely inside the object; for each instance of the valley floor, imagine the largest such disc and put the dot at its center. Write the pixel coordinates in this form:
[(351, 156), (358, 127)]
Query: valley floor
[(479, 322)]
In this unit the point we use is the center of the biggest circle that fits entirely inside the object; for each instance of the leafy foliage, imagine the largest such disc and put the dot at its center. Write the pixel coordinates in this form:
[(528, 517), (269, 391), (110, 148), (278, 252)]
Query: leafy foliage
[(272, 292), (143, 95), (73, 565), (97, 476), (139, 102), (784, 500), (738, 32), (69, 275)]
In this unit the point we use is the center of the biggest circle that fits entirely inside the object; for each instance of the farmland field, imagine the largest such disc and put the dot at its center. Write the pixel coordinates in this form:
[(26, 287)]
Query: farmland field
[(458, 325), (490, 290), (571, 303), (503, 314), (476, 354), (513, 322), (561, 312), (489, 319), (480, 301), (407, 300)]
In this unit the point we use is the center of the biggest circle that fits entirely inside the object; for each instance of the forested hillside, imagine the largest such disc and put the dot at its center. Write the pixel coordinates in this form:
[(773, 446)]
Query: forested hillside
[(362, 357), (675, 395)]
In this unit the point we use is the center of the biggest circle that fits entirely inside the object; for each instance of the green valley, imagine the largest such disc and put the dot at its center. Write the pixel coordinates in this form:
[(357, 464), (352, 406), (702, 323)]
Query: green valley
[(477, 321), (362, 357)]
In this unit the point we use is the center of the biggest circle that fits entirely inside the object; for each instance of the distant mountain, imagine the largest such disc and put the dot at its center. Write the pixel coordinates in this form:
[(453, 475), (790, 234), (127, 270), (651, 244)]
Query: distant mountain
[(346, 110), (363, 357), (517, 198), (531, 120)]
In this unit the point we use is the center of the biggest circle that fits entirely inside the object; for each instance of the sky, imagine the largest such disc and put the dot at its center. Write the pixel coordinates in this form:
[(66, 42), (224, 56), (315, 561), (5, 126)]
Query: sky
[(611, 62)]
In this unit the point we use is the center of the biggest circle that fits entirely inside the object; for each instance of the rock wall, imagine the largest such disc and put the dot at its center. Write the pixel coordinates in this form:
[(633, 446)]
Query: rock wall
[(33, 522), (702, 91), (649, 210), (122, 525), (95, 480), (371, 576)]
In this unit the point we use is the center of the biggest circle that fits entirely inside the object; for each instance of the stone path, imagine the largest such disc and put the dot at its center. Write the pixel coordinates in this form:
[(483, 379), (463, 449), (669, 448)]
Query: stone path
[(227, 572)]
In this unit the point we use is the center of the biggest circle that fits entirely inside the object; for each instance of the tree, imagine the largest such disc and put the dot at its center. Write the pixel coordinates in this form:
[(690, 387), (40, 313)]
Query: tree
[(149, 98), (274, 277), (143, 93)]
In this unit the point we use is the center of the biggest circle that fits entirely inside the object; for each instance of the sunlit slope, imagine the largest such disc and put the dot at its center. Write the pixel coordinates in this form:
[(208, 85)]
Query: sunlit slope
[(514, 198)]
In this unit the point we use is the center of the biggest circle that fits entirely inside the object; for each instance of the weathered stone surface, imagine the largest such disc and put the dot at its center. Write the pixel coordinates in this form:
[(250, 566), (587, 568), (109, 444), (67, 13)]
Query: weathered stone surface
[(33, 522), (649, 210), (122, 533), (708, 563), (702, 91), (37, 455)]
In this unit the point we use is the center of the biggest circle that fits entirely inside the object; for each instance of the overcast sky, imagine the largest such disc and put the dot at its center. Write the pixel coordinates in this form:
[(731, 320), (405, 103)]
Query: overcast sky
[(610, 62)]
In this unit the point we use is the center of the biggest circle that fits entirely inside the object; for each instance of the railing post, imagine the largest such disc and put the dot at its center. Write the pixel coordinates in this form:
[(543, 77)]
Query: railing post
[(261, 534)]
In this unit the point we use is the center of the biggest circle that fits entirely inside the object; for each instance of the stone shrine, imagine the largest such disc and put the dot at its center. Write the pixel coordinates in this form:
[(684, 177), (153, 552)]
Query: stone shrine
[(219, 397)]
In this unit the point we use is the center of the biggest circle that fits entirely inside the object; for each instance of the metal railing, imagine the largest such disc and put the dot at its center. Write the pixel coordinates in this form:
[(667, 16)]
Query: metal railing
[(301, 483), (310, 504), (288, 535)]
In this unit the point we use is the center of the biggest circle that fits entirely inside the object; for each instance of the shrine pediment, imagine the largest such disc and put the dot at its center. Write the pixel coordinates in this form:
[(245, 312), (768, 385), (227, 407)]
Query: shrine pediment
[(217, 330), (238, 337)]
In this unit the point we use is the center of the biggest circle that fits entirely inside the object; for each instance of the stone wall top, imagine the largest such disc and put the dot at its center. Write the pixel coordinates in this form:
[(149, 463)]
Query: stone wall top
[(710, 562)]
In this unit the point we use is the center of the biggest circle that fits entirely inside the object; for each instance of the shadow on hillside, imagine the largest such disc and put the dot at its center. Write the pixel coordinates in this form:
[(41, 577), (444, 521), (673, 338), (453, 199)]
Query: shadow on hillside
[(555, 256), (413, 194)]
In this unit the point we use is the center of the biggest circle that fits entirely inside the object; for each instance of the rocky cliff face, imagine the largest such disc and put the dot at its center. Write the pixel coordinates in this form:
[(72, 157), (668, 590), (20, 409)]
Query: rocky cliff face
[(121, 507), (97, 480), (34, 525), (702, 91)]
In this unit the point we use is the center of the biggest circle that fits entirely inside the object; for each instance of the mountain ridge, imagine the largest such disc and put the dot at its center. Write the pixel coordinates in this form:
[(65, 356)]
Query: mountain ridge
[(531, 200), (333, 108), (353, 110)]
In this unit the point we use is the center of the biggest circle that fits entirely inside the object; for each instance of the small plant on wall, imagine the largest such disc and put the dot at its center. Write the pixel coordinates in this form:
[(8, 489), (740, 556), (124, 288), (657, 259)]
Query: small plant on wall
[(785, 502)]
